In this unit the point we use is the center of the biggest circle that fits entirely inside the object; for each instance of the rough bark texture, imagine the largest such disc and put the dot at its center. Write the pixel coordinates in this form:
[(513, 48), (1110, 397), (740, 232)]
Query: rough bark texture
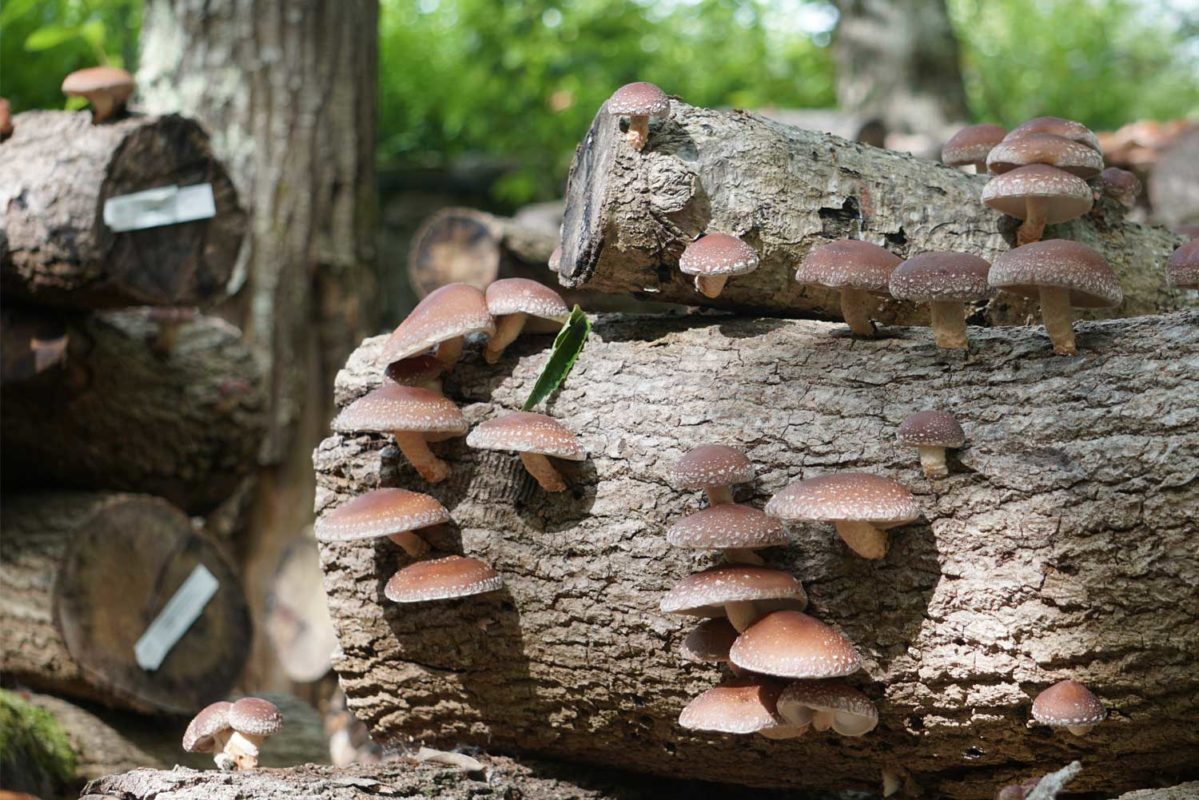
[(184, 425), (1062, 544), (83, 575), (56, 173), (784, 191), (99, 748)]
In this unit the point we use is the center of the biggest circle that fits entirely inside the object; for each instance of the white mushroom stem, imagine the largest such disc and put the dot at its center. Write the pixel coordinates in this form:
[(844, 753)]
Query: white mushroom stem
[(543, 471), (863, 538), (949, 325), (1079, 730), (892, 781), (411, 543), (223, 760), (719, 495), (856, 306), (638, 132), (740, 555), (710, 285), (416, 449), (449, 351), (1059, 319), (741, 614), (932, 459), (507, 328), (243, 749), (822, 720), (1034, 222)]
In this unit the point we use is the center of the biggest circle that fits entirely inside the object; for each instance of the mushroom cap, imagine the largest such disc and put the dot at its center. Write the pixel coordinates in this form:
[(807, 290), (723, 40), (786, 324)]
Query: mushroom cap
[(705, 593), (941, 277), (442, 579), (854, 714), (718, 254), (1068, 703), (1183, 266), (113, 80), (711, 465), (932, 429), (524, 296), (727, 525), (848, 497), (1058, 263), (1068, 195), (380, 513), (1045, 148), (456, 309), (392, 407), (739, 706), (971, 144), (640, 99), (1066, 128), (255, 716), (415, 370), (555, 259), (1121, 184), (212, 719), (709, 641), (793, 645), (849, 262), (526, 432)]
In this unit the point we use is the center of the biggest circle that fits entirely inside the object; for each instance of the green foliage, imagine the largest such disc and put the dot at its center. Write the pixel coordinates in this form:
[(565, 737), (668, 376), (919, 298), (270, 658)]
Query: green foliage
[(34, 752), (568, 344)]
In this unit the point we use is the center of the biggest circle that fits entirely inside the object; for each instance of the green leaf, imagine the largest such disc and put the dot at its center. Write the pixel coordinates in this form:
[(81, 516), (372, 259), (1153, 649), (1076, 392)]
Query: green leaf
[(567, 346), (50, 36)]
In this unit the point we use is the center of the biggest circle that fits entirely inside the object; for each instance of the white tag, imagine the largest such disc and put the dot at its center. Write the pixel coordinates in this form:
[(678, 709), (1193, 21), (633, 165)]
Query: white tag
[(166, 205), (175, 618)]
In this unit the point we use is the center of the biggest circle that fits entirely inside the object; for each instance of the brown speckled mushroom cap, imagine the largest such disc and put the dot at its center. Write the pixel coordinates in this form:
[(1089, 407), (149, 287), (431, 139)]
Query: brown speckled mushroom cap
[(454, 310), (711, 465), (941, 277), (705, 593), (526, 432), (1121, 184), (1066, 196), (853, 712), (524, 296), (740, 706), (793, 645), (846, 496), (709, 641), (114, 80), (392, 407), (932, 429), (849, 262), (1183, 266), (718, 254), (380, 513), (971, 144), (641, 98), (1057, 126), (1068, 703), (255, 716), (442, 579), (727, 525), (1058, 263), (212, 719), (1045, 148)]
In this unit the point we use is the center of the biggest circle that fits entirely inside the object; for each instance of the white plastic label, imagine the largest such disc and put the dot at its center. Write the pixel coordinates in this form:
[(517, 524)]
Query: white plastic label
[(175, 618), (166, 205)]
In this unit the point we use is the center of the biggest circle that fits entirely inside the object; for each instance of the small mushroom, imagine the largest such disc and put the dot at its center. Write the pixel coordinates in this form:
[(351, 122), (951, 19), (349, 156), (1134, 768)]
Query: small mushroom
[(713, 468), (422, 371), (442, 579), (740, 706), (790, 644), (859, 270), (555, 259), (394, 513), (1062, 274), (740, 592), (828, 704), (1119, 184), (714, 258), (106, 88), (946, 281), (442, 320), (536, 438), (253, 721), (1057, 126), (414, 416), (709, 642), (209, 731), (1182, 269), (511, 302), (931, 432), (1040, 195), (861, 506), (5, 119), (737, 530), (1045, 148), (1070, 705), (970, 146), (168, 320), (640, 102)]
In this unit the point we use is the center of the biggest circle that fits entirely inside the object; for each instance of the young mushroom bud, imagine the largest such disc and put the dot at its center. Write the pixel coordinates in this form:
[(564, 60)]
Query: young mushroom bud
[(442, 579), (1040, 195), (828, 704), (394, 513), (168, 320), (1119, 184), (1070, 705), (1182, 270), (931, 432), (511, 302), (253, 721), (790, 644), (970, 146), (740, 706), (209, 732), (713, 468), (555, 259), (860, 270), (536, 437), (946, 281), (442, 320), (106, 88), (735, 529), (640, 102), (714, 258), (740, 592)]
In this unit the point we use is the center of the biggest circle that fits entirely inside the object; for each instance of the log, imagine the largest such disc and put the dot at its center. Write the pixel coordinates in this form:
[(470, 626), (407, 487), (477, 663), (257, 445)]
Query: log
[(99, 748), (82, 577), (185, 425), (784, 191), (1061, 545), (57, 172)]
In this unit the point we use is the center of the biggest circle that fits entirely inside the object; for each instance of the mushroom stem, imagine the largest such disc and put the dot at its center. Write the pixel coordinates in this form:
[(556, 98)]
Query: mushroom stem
[(710, 285), (856, 306), (863, 538), (719, 495), (1079, 730), (543, 471), (416, 449), (949, 325), (638, 133), (224, 762), (739, 555), (980, 167), (741, 614), (165, 337), (892, 782), (1034, 222), (103, 106), (449, 351), (411, 543), (243, 749), (932, 459), (507, 328), (822, 720), (1059, 319)]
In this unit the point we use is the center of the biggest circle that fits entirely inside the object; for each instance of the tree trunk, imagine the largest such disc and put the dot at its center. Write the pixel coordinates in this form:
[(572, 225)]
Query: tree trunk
[(184, 424), (84, 575), (56, 174), (629, 215), (1060, 546), (99, 748)]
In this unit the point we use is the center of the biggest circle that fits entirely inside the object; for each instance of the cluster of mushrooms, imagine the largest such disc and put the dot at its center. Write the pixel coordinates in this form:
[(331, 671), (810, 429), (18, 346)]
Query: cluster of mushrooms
[(233, 732)]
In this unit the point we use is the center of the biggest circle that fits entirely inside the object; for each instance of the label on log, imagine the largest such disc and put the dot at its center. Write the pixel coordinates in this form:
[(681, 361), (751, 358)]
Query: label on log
[(166, 205), (175, 618)]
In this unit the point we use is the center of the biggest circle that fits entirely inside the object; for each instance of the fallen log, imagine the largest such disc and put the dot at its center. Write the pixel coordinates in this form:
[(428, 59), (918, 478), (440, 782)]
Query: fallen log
[(99, 748), (784, 191), (82, 577), (1061, 545)]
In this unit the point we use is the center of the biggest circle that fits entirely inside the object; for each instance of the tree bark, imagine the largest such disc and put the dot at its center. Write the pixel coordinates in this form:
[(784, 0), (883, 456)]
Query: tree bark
[(99, 748), (784, 191), (184, 425), (82, 577), (1060, 545), (57, 172)]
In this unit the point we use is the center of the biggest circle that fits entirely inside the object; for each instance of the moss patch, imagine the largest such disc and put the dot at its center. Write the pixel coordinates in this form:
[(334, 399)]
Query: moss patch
[(35, 755)]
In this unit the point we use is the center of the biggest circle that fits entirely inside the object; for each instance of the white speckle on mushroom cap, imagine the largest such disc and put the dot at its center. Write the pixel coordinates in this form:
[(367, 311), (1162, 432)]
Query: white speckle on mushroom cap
[(442, 579), (941, 277), (524, 296), (453, 310), (971, 144), (727, 526), (255, 716), (741, 706), (932, 429), (1058, 263), (793, 645), (380, 513), (1045, 148), (1183, 266), (849, 262), (212, 719), (848, 497), (392, 407), (1068, 703), (1069, 196), (526, 432), (704, 593), (718, 254), (711, 465), (709, 641), (641, 98), (1058, 127)]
